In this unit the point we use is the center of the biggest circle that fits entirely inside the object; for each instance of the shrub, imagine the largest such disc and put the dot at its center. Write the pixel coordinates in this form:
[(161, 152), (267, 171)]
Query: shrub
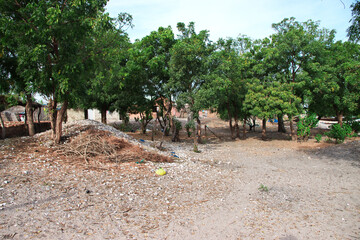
[(318, 137), (178, 127), (196, 149), (339, 133), (190, 126), (177, 123), (355, 126), (305, 125)]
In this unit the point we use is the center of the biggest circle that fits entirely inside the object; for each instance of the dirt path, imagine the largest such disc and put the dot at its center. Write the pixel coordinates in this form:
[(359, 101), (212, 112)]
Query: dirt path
[(312, 193)]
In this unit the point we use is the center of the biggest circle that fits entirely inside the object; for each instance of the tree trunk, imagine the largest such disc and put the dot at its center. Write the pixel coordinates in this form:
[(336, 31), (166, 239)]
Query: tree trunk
[(59, 120), (30, 115), (231, 128), (125, 118), (230, 121), (292, 129), (3, 131), (198, 130), (86, 114), (143, 128), (281, 127), (263, 132), (103, 115), (53, 115), (172, 126), (168, 113), (39, 114), (170, 119), (175, 135), (237, 129), (339, 116), (153, 130), (236, 119), (244, 128), (196, 143)]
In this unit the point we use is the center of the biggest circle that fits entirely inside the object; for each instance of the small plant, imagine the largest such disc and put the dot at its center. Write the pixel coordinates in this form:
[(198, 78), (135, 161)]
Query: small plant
[(196, 149), (339, 133), (305, 125), (190, 126), (318, 137), (263, 188)]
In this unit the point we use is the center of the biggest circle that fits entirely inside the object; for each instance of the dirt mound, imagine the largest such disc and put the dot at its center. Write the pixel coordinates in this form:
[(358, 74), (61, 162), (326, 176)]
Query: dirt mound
[(90, 142), (95, 145)]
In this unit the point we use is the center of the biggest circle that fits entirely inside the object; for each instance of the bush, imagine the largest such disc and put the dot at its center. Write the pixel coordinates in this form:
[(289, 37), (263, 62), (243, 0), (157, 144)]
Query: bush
[(305, 125), (355, 126), (190, 126), (318, 137), (178, 127), (339, 133), (177, 123)]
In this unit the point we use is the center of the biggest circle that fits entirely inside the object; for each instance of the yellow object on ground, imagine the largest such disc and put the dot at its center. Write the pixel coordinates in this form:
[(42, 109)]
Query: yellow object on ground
[(160, 172)]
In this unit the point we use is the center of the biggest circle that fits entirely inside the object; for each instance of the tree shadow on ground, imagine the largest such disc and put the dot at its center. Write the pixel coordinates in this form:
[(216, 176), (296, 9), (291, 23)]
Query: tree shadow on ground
[(271, 134), (349, 151)]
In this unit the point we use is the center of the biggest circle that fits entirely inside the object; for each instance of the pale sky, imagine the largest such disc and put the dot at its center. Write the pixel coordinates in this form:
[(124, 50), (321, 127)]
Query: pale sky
[(229, 18)]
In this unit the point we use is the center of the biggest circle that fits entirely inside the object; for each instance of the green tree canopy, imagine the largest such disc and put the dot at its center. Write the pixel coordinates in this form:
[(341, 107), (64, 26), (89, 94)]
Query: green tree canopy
[(49, 39), (354, 29)]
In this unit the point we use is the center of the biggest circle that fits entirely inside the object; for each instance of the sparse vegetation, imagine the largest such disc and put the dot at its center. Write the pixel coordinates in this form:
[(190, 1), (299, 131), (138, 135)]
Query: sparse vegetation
[(263, 188), (339, 133), (305, 125), (190, 128), (318, 137)]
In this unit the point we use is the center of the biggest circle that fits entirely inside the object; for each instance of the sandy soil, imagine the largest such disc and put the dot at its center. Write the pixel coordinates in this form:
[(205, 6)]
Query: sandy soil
[(309, 190)]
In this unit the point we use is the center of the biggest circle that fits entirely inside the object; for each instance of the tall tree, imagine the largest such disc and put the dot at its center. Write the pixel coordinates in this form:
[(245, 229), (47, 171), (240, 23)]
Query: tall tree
[(52, 36), (295, 44), (156, 47), (106, 60), (268, 93), (188, 68), (14, 83), (225, 89), (336, 89)]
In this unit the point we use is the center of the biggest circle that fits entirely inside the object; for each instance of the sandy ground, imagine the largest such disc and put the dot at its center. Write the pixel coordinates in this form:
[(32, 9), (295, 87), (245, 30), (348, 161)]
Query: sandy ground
[(309, 191)]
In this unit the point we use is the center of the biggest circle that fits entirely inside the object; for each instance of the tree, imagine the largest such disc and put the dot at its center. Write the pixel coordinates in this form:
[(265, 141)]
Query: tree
[(268, 93), (188, 68), (225, 89), (6, 67), (147, 76), (295, 44), (336, 89), (13, 82), (50, 39), (107, 57), (157, 47), (354, 29)]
